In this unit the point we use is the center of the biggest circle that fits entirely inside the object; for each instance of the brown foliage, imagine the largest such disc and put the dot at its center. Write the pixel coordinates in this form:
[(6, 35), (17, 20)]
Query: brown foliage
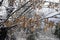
[(8, 23)]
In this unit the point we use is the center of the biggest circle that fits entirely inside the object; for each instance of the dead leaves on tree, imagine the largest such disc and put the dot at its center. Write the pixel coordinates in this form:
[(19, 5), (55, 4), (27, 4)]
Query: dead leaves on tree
[(32, 23), (48, 24), (25, 22), (8, 23)]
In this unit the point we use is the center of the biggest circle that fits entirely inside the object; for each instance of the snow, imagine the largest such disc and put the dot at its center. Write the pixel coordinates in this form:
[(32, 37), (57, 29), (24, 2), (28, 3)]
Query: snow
[(0, 0), (53, 14), (58, 15), (53, 0), (56, 20), (3, 12), (48, 12), (45, 11), (5, 3), (46, 4), (16, 4)]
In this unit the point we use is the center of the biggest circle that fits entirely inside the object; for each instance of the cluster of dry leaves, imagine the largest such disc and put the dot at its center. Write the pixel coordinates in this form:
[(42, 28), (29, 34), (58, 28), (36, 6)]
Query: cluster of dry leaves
[(31, 23), (25, 22)]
